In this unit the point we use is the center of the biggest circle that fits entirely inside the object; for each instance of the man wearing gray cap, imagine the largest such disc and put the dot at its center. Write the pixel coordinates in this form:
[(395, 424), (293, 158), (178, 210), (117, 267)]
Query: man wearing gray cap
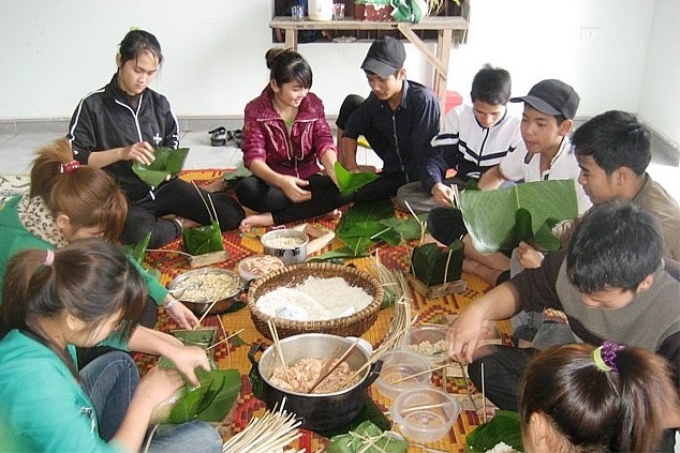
[(398, 120)]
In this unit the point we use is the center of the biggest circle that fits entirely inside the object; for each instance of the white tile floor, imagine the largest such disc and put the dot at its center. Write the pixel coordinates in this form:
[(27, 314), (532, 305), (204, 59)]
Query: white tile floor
[(17, 151)]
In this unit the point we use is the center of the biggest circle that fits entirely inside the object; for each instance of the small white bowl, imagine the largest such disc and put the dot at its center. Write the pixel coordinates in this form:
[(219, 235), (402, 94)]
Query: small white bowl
[(398, 365), (257, 266), (425, 414)]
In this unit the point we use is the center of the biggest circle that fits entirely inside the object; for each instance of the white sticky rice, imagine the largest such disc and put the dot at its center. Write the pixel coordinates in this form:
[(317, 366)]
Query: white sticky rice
[(316, 299)]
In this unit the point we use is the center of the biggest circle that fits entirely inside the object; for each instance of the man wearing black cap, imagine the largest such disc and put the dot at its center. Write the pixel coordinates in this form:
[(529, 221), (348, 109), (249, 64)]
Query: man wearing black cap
[(545, 153), (398, 119)]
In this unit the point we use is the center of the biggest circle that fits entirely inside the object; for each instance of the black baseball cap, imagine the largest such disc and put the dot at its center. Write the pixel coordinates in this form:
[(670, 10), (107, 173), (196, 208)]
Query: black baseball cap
[(385, 57), (552, 97)]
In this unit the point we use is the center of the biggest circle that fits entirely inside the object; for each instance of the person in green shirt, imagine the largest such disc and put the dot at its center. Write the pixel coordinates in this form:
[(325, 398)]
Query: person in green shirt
[(68, 202), (84, 294)]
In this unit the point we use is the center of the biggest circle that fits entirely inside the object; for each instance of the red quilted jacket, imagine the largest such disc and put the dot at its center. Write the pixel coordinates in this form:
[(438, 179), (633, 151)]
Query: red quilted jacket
[(265, 136)]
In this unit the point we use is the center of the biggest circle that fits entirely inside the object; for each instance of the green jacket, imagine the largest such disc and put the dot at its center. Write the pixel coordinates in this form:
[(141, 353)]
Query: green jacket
[(15, 238)]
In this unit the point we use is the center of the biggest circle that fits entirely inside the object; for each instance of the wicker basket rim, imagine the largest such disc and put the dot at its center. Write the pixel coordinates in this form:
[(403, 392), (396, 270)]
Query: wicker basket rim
[(334, 269)]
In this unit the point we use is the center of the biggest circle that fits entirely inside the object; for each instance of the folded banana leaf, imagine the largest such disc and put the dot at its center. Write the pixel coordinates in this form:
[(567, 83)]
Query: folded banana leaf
[(503, 427), (367, 438), (351, 182), (167, 163), (203, 239), (499, 219), (211, 401), (434, 265)]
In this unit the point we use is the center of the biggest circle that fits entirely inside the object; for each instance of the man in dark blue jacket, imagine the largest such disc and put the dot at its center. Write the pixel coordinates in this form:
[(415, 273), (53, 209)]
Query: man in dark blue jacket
[(398, 120)]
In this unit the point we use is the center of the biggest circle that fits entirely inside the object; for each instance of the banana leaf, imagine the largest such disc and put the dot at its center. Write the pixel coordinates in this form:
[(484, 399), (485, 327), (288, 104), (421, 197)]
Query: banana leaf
[(357, 441), (138, 251), (203, 239), (167, 163), (499, 219), (211, 401), (360, 226), (339, 254), (231, 178), (503, 427), (409, 228), (366, 223), (351, 182)]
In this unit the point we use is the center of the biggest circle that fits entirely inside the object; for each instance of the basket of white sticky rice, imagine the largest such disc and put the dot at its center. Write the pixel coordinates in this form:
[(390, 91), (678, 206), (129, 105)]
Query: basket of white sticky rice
[(315, 297)]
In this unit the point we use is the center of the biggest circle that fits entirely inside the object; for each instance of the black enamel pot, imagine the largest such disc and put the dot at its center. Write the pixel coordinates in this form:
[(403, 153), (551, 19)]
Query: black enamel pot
[(317, 412)]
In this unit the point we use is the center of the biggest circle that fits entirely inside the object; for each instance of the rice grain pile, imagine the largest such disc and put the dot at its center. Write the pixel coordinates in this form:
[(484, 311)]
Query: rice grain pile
[(316, 299)]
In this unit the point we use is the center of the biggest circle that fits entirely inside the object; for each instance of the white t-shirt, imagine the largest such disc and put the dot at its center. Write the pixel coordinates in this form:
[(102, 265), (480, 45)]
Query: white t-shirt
[(520, 165)]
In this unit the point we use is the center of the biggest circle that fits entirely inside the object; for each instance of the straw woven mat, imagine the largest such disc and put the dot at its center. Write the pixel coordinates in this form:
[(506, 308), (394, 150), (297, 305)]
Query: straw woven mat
[(231, 356)]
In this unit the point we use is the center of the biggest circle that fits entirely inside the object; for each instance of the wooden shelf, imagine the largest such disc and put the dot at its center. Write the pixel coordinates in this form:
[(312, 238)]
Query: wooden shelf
[(443, 26)]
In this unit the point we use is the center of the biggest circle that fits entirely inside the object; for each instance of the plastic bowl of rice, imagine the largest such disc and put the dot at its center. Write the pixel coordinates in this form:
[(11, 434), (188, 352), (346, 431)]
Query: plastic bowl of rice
[(428, 341)]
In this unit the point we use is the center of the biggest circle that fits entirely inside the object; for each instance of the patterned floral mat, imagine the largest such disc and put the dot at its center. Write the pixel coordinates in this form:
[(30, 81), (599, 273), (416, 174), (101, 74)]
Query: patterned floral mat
[(235, 354)]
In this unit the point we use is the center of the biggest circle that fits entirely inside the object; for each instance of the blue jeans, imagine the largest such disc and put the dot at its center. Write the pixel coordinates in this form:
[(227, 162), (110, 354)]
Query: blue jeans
[(110, 380)]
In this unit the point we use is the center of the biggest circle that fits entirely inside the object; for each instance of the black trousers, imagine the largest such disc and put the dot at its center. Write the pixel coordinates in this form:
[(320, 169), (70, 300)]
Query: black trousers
[(180, 198), (258, 195)]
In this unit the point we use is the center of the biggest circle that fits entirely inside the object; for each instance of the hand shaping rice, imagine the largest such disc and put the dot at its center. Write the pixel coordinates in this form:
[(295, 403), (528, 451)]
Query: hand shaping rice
[(315, 299)]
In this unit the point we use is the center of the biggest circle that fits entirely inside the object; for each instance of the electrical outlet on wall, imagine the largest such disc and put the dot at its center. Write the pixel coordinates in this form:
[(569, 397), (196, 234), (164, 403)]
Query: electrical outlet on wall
[(590, 33)]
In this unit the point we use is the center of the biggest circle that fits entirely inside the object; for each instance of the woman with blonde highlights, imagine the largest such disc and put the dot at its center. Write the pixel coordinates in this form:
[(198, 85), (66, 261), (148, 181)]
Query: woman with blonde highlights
[(68, 202)]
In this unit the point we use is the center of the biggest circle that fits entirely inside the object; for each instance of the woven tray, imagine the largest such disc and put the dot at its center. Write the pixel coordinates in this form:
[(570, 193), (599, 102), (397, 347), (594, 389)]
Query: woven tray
[(353, 325)]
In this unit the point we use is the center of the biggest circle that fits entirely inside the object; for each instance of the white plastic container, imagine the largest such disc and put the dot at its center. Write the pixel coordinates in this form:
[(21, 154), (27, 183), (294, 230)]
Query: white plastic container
[(320, 10)]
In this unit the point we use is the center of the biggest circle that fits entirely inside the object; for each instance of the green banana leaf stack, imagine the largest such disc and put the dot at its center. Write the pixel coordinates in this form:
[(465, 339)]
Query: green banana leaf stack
[(499, 219)]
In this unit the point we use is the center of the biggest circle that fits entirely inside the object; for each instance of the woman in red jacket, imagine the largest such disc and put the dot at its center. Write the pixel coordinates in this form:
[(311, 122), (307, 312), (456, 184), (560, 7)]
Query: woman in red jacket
[(285, 136)]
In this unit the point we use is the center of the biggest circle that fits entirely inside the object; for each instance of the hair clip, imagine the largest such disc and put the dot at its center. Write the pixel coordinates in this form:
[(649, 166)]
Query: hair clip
[(68, 167), (605, 356)]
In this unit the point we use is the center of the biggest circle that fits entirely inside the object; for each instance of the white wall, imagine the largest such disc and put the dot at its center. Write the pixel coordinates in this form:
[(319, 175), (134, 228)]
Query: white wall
[(660, 95), (54, 52)]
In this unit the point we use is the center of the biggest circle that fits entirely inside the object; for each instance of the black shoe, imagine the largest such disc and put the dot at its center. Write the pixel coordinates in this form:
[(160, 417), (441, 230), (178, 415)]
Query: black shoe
[(218, 136), (235, 136)]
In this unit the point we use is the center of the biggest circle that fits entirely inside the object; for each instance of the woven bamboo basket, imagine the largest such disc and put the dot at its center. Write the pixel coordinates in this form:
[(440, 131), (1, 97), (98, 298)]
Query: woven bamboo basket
[(353, 325)]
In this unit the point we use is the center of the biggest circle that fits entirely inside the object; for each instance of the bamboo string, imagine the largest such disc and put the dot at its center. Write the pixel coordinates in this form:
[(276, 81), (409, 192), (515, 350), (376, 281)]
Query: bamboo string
[(277, 345), (420, 373), (224, 333), (205, 313), (342, 358), (483, 394), (225, 340)]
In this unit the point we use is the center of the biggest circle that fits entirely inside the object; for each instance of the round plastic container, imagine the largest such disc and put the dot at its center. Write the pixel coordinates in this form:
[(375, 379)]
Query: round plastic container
[(402, 370), (429, 342), (425, 414)]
